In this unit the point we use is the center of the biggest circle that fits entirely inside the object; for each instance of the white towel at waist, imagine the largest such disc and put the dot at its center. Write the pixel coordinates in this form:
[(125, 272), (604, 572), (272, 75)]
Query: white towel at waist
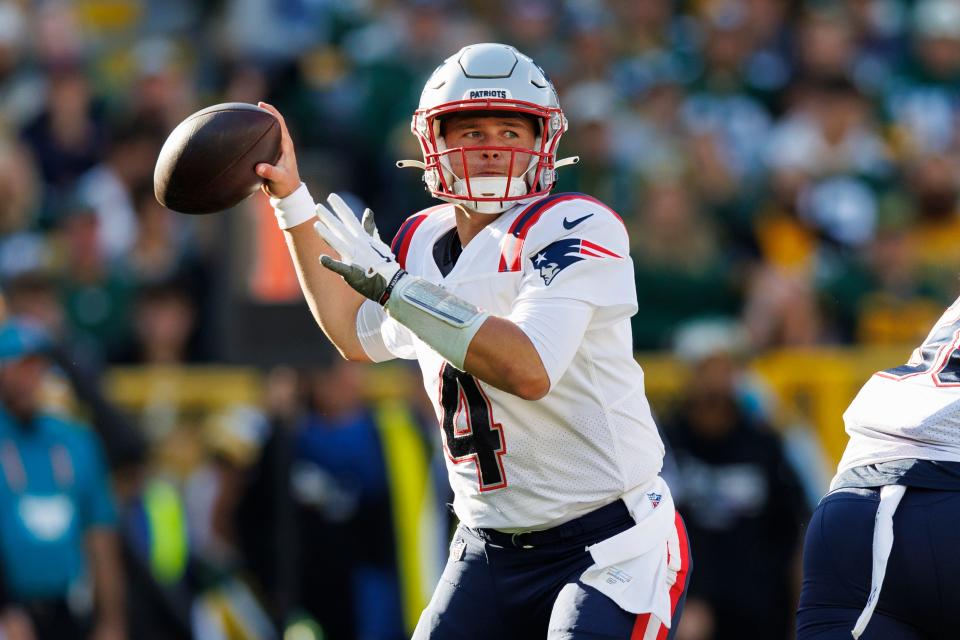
[(637, 567), (890, 497)]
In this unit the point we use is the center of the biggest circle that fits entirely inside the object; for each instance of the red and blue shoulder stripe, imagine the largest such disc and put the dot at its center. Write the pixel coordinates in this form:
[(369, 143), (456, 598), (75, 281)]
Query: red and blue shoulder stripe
[(511, 249), (401, 241)]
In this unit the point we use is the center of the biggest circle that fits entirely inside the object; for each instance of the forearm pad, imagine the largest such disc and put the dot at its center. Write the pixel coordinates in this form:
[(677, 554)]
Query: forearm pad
[(442, 320)]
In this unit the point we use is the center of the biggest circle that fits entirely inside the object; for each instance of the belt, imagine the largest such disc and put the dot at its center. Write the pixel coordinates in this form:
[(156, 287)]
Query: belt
[(597, 520)]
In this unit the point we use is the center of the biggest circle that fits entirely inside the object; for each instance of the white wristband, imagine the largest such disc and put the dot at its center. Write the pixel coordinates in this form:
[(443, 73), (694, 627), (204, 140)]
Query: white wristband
[(295, 209)]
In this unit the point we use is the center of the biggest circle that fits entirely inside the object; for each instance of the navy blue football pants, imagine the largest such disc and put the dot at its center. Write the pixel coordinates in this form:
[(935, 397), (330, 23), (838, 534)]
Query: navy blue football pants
[(528, 586), (920, 596)]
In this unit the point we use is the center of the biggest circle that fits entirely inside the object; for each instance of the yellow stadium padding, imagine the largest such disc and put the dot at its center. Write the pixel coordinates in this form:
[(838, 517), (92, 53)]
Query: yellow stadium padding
[(812, 386)]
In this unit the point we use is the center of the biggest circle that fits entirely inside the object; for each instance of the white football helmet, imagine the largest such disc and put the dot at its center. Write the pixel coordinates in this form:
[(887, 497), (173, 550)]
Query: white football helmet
[(497, 78)]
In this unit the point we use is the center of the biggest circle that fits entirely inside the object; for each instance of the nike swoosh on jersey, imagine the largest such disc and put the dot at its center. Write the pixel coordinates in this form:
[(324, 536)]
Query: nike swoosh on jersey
[(570, 224)]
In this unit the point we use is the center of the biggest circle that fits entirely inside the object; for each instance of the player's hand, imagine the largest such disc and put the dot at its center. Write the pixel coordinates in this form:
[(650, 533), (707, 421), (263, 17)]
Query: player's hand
[(366, 262), (281, 179)]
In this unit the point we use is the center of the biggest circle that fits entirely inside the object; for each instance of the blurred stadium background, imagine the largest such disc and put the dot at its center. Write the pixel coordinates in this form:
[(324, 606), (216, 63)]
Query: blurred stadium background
[(788, 172)]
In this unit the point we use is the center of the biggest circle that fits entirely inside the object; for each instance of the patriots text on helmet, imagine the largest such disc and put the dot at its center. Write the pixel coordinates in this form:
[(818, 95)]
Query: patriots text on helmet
[(479, 94)]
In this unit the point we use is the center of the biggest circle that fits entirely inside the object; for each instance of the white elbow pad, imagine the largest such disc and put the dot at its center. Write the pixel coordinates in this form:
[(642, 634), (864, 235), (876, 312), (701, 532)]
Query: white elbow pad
[(370, 317)]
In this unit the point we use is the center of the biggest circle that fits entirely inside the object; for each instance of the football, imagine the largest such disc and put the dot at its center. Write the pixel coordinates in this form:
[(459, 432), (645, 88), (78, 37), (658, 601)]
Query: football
[(207, 162)]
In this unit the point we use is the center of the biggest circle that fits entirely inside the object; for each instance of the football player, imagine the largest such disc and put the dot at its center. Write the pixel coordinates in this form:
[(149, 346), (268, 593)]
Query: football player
[(880, 556), (516, 304)]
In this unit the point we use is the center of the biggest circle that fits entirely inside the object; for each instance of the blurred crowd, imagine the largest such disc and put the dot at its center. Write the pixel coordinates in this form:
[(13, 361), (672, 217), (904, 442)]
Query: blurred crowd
[(318, 513), (789, 167), (792, 165), (319, 510)]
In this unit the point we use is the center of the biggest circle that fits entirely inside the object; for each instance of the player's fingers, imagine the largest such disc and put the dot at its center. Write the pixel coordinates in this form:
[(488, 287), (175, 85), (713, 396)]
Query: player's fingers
[(335, 265), (345, 214), (332, 237), (268, 171), (286, 176), (274, 179), (286, 142), (328, 233), (276, 114), (332, 222), (369, 225), (350, 272), (329, 238)]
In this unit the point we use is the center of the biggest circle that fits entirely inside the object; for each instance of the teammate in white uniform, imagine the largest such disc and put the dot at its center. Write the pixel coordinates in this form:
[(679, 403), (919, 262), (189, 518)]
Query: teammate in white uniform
[(516, 304), (880, 558)]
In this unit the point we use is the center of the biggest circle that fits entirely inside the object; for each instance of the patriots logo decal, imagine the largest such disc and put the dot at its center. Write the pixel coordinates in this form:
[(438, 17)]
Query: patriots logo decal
[(559, 255)]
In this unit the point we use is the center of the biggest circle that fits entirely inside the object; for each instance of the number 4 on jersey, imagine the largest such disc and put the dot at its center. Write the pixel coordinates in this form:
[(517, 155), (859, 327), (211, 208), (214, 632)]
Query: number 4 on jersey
[(481, 440)]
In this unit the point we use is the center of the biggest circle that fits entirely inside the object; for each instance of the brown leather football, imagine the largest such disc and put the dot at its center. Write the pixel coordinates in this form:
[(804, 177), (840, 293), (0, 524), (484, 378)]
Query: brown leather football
[(207, 163)]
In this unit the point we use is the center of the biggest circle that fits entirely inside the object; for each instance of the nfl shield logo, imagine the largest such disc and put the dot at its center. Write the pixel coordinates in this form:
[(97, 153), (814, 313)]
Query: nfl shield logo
[(654, 499)]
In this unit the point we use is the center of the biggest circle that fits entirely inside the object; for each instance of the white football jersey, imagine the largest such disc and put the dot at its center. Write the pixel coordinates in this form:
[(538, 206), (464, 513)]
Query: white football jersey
[(911, 411), (560, 268)]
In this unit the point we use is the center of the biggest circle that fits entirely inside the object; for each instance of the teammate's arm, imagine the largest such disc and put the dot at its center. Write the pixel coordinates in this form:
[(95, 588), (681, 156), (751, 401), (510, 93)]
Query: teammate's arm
[(332, 301)]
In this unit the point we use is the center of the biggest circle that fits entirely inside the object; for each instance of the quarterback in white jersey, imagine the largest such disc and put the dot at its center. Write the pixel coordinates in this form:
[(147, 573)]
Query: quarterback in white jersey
[(516, 305), (880, 556), (556, 268)]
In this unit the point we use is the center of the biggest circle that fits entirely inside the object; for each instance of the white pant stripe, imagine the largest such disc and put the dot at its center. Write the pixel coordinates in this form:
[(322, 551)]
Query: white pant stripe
[(653, 628)]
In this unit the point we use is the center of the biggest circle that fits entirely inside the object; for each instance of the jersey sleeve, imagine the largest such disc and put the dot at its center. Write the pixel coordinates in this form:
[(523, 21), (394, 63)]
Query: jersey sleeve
[(580, 251), (382, 337), (577, 276), (556, 328)]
